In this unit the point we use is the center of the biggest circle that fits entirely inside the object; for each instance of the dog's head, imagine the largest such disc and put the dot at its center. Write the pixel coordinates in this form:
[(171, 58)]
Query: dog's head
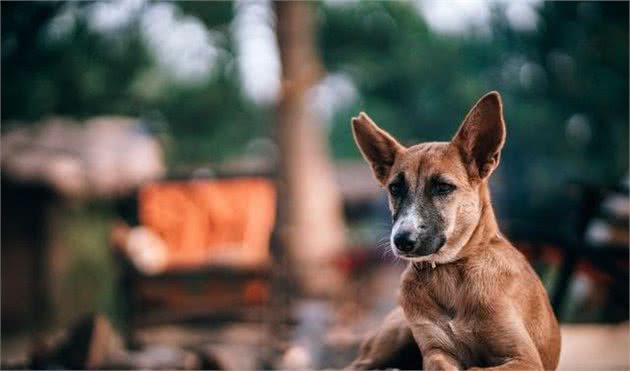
[(435, 188)]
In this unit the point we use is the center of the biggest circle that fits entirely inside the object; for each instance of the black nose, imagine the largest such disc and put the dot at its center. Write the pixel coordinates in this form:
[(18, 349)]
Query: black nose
[(404, 242)]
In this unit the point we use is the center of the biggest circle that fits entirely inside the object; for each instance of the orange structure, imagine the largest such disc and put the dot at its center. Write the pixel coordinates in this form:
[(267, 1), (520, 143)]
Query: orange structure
[(211, 222)]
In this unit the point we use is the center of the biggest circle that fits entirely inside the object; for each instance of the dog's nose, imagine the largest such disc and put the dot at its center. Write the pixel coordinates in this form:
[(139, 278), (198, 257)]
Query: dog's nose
[(404, 242)]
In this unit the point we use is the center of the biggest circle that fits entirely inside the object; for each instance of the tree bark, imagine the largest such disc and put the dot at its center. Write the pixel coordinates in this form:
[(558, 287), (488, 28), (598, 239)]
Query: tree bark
[(311, 215)]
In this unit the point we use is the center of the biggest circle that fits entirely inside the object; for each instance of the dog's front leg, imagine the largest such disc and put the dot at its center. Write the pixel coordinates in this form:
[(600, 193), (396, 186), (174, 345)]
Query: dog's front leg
[(506, 338), (513, 364), (391, 346), (439, 360), (434, 344)]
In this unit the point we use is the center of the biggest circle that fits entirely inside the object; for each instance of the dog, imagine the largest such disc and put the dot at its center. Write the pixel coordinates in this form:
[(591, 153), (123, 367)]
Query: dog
[(468, 299)]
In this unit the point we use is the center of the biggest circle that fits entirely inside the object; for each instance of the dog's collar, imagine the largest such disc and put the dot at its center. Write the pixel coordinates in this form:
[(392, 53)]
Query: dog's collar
[(423, 266)]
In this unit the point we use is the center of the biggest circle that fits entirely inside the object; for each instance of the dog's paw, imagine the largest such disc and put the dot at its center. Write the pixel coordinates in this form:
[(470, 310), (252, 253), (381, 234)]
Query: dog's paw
[(361, 364)]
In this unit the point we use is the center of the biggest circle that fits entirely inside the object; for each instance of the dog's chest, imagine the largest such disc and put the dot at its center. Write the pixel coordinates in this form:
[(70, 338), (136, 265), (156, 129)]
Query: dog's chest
[(435, 302), (438, 289)]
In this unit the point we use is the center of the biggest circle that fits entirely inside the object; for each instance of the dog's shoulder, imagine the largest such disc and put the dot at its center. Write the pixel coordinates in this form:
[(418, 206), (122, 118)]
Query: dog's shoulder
[(497, 268), (496, 257)]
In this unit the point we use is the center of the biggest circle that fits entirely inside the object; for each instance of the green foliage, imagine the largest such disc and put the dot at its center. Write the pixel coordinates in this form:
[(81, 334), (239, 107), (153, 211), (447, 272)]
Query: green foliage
[(414, 82), (88, 276), (419, 85), (81, 75), (85, 74)]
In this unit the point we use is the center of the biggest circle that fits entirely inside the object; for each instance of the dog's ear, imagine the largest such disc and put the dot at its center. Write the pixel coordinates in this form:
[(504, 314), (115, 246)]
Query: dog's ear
[(377, 146), (481, 136)]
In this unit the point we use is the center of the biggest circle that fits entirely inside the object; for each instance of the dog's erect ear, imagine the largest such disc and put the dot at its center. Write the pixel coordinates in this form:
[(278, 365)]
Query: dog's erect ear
[(376, 145), (481, 136)]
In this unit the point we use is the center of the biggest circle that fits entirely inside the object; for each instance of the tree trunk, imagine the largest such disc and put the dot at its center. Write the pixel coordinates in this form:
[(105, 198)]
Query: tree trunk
[(311, 214)]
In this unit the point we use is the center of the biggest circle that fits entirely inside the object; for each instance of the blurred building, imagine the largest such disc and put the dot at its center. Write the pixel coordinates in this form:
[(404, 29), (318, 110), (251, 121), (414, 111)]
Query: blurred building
[(45, 168)]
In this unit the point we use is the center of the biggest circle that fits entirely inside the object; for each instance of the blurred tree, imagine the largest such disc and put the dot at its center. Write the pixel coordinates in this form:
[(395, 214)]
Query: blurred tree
[(313, 227), (81, 73)]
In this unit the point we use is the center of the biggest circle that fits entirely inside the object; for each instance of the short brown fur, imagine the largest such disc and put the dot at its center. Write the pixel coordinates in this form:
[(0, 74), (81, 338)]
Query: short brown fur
[(476, 302)]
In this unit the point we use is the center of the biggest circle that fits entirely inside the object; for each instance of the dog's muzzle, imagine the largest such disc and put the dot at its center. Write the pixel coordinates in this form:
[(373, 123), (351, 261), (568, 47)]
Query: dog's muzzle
[(409, 244)]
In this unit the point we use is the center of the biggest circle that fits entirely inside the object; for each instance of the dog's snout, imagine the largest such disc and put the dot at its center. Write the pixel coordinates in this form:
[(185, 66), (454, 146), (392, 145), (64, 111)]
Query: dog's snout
[(404, 241)]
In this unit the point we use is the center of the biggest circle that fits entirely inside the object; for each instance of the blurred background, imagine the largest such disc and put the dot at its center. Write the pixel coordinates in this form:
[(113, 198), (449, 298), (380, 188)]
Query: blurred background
[(180, 186)]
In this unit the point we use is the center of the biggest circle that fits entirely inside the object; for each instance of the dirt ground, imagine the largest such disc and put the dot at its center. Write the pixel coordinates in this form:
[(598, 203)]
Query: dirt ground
[(325, 334)]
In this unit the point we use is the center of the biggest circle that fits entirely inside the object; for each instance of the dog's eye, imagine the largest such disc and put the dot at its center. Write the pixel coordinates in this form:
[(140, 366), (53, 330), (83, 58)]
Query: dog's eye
[(395, 189), (441, 188)]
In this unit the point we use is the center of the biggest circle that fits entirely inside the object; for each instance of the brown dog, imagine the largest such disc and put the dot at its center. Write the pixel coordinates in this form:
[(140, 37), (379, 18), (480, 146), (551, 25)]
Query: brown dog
[(469, 299)]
